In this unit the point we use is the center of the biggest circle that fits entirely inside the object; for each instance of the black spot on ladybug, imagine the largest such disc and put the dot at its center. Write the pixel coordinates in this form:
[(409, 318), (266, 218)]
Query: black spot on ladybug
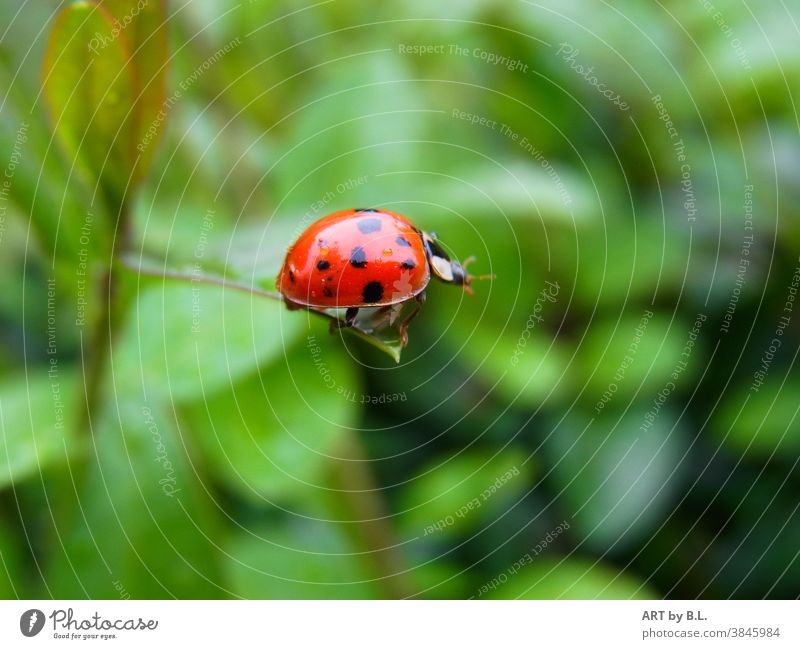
[(408, 264), (358, 258), (323, 264), (327, 292), (291, 277), (366, 209), (368, 225), (403, 242), (373, 292)]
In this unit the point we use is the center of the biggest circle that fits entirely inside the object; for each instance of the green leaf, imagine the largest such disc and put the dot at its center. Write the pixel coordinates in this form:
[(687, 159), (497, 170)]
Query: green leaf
[(350, 133), (150, 528), (298, 559), (218, 273), (89, 88), (271, 436), (12, 585), (764, 422), (523, 360), (619, 259), (638, 354), (36, 417), (187, 339), (617, 481), (439, 579), (508, 328), (570, 578), (144, 25)]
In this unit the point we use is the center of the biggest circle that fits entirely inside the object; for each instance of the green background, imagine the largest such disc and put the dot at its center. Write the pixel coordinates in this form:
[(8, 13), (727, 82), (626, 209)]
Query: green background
[(236, 449)]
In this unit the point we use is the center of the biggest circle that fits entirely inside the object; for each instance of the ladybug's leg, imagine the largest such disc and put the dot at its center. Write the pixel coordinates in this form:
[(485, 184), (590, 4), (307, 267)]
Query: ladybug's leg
[(349, 319), (350, 316), (403, 329)]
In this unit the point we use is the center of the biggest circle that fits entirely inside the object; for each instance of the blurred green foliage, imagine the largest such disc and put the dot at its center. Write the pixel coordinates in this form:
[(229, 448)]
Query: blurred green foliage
[(236, 449)]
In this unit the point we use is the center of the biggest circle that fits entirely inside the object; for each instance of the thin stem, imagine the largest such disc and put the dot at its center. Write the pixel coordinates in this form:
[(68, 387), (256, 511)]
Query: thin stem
[(95, 352), (131, 263), (137, 265), (367, 513)]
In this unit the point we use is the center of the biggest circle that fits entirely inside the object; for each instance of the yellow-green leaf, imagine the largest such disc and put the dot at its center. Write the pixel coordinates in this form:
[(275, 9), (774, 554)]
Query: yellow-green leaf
[(89, 89), (144, 23)]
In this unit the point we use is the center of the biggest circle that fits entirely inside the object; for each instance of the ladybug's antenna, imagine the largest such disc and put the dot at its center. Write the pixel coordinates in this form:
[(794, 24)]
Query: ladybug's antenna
[(469, 278)]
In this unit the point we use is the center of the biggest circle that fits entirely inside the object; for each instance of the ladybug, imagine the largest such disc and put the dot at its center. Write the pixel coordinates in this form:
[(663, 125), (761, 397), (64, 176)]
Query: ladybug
[(360, 258)]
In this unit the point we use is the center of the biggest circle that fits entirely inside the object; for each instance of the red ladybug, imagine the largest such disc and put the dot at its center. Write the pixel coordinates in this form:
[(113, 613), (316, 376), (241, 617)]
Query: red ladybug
[(361, 258)]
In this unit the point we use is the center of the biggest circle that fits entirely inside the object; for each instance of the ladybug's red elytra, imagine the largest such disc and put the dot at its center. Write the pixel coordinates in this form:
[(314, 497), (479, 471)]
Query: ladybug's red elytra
[(361, 258)]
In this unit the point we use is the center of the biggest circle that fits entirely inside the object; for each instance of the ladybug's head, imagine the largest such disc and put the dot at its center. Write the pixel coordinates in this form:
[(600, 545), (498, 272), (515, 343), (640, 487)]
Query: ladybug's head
[(444, 268)]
